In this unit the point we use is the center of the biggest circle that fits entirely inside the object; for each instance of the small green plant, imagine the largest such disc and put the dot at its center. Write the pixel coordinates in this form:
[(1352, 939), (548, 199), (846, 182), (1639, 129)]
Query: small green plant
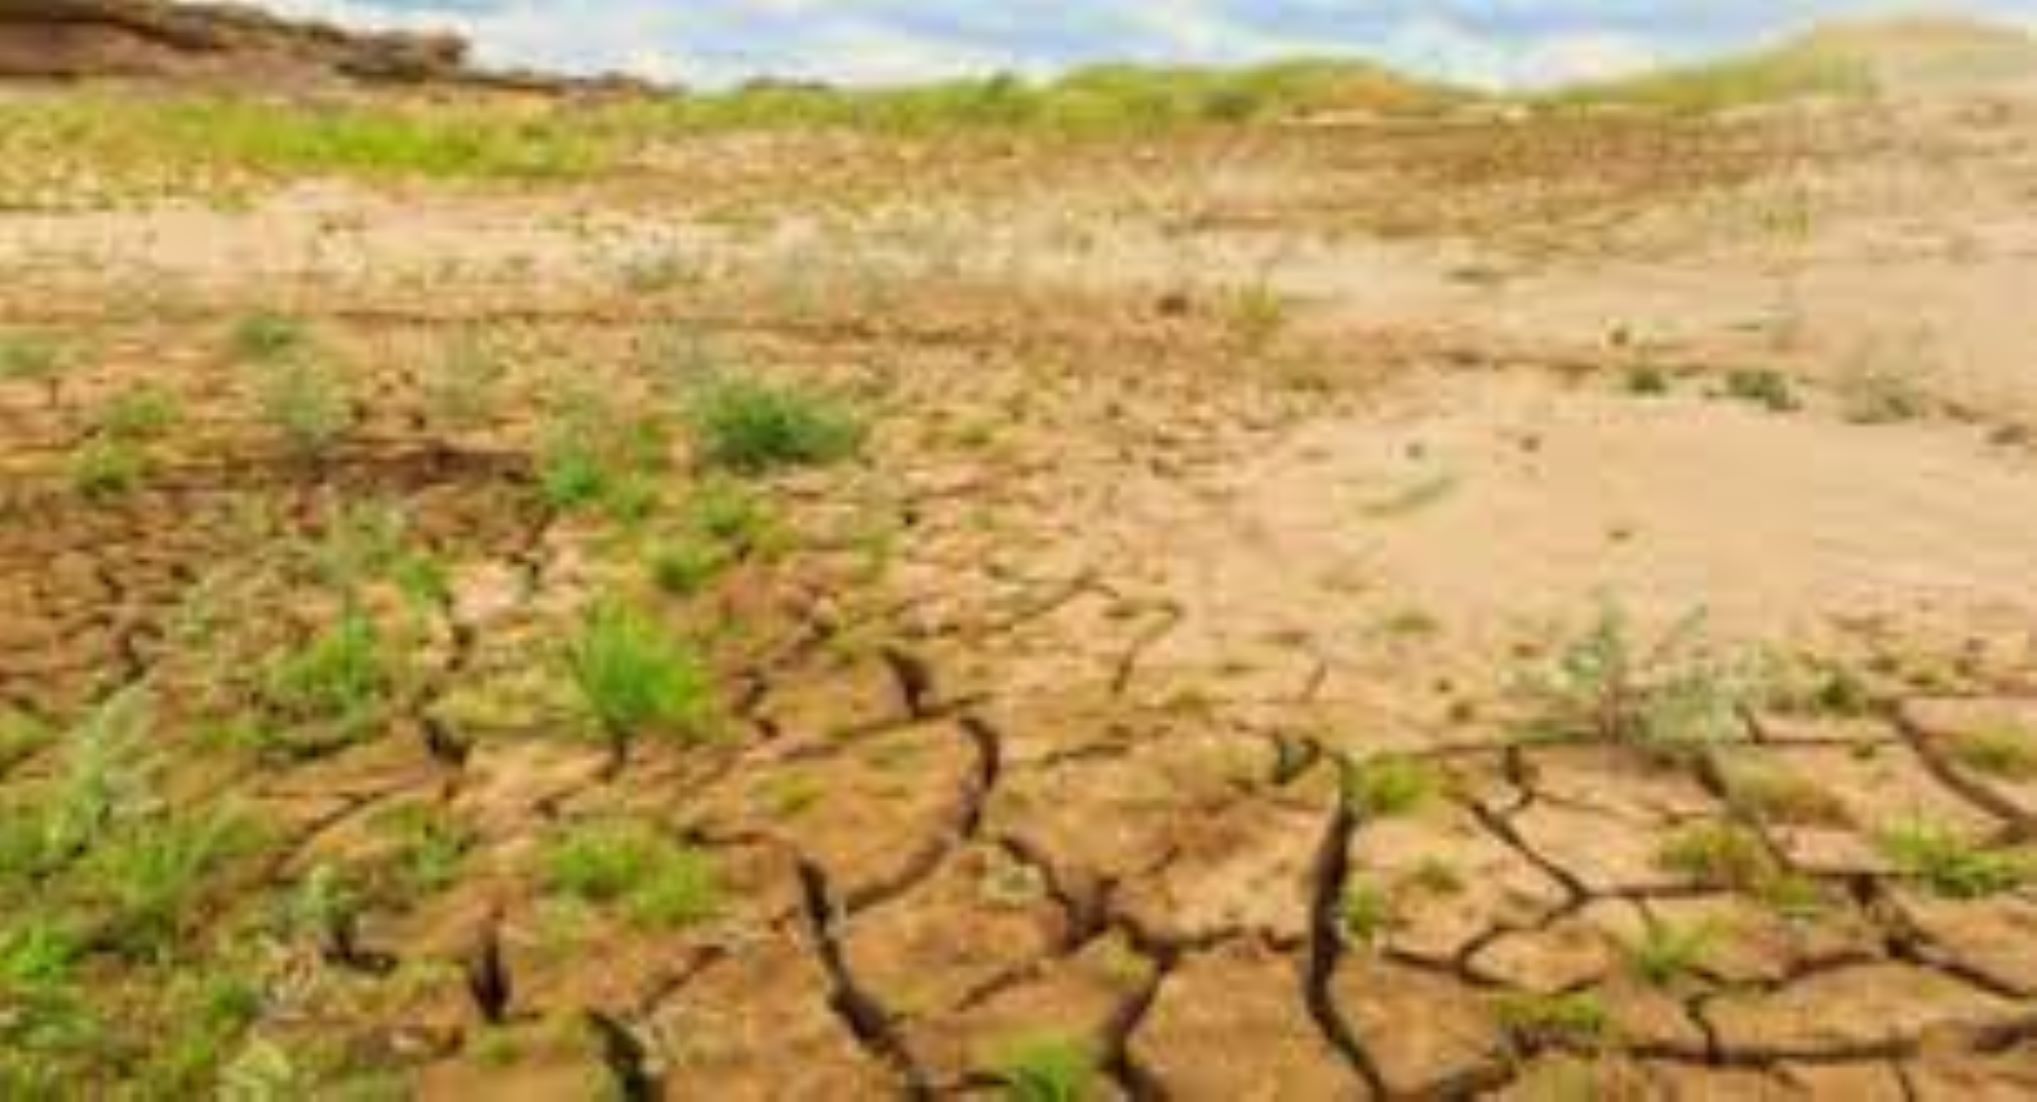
[(1047, 1068), (750, 428), (1721, 854), (594, 454), (138, 416), (1389, 787), (1774, 795), (1877, 394), (327, 908), (1671, 697), (1667, 953), (149, 878), (265, 337), (307, 403), (2006, 752), (1541, 1021), (341, 674), (106, 467), (1647, 381), (1765, 387), (636, 678), (1951, 866), (1258, 314), (685, 567), (33, 358), (460, 391), (1366, 913), (657, 882)]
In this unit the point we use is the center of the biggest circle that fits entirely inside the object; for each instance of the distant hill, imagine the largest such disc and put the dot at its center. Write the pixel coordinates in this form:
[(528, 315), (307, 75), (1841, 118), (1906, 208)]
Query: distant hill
[(1904, 56), (224, 45)]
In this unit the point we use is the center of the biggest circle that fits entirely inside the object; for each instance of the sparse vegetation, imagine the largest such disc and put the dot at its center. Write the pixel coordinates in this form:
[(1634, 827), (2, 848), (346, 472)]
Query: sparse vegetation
[(1047, 1068), (636, 679), (654, 880), (1667, 953), (749, 428), (1947, 864), (1535, 1021), (1670, 696), (1367, 912), (1764, 387), (2008, 752), (1387, 787)]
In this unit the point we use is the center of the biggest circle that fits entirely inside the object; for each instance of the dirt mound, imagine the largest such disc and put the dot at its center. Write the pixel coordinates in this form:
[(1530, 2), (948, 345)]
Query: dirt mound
[(154, 39)]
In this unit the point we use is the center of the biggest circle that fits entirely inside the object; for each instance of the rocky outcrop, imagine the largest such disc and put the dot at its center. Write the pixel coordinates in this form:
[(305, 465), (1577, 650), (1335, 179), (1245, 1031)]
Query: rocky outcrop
[(83, 39)]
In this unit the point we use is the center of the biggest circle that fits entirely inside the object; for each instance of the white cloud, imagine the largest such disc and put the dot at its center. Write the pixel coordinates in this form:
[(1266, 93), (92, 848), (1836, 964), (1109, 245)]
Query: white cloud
[(716, 42)]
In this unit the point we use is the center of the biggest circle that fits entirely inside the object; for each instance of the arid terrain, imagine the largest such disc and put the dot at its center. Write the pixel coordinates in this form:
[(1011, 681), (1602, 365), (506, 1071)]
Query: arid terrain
[(1427, 596)]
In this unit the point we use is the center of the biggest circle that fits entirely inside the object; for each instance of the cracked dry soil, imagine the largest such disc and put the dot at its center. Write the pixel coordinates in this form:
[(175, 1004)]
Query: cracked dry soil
[(1042, 721)]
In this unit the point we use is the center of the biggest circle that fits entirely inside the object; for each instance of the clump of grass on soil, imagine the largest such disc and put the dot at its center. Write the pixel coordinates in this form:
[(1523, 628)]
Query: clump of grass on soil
[(638, 679), (1669, 696), (1949, 865), (750, 427), (1048, 1068), (655, 881)]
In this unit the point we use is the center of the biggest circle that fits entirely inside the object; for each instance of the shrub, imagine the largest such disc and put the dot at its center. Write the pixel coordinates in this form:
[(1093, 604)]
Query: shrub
[(753, 428)]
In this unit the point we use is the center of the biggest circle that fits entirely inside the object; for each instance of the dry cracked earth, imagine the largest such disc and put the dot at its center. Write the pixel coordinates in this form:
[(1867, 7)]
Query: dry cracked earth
[(1199, 685)]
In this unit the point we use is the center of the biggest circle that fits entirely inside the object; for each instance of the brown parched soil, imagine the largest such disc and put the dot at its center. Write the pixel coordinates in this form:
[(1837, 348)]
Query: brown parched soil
[(1251, 653)]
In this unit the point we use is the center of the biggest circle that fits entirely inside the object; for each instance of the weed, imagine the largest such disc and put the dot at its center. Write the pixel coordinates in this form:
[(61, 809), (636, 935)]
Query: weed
[(593, 454), (657, 882), (342, 674), (326, 907), (1672, 697), (1647, 381), (1765, 387), (151, 877), (1667, 953), (2006, 752), (307, 403), (1775, 795), (1047, 1068), (1366, 913), (105, 467), (1881, 394), (1721, 854), (1257, 315), (1390, 787), (751, 428), (1437, 876), (460, 391), (685, 567), (265, 337), (21, 737), (1541, 1021), (138, 416), (635, 678), (33, 358), (1952, 867)]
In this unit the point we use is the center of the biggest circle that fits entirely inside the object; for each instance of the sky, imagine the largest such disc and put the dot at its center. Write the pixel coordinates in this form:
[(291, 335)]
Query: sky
[(1494, 43)]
